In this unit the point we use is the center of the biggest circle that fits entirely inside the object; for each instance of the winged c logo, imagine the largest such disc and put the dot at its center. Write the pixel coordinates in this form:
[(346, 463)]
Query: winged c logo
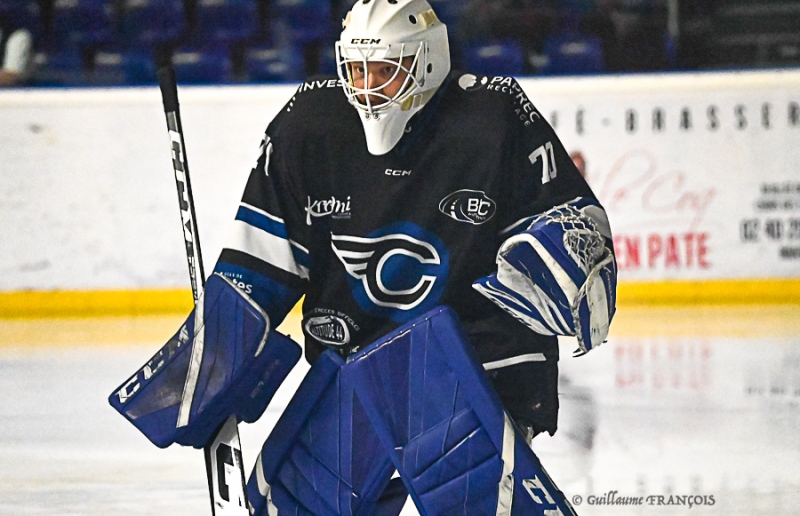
[(397, 271)]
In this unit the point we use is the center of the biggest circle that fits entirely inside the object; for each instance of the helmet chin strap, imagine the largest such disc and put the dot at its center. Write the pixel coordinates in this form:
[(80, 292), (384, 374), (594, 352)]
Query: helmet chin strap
[(418, 100)]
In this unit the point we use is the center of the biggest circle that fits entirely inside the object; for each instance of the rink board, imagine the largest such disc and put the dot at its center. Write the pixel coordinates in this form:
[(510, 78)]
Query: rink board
[(697, 172), (33, 304)]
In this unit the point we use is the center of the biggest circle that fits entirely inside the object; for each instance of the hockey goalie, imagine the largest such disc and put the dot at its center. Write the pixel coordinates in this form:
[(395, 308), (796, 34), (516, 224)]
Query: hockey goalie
[(441, 239)]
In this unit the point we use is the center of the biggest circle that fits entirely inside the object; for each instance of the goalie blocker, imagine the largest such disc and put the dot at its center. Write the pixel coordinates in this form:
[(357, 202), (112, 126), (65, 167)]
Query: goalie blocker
[(224, 361), (559, 276)]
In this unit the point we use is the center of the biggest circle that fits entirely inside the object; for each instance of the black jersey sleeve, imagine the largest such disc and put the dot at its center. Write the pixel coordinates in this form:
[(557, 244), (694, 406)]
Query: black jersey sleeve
[(541, 173), (267, 251)]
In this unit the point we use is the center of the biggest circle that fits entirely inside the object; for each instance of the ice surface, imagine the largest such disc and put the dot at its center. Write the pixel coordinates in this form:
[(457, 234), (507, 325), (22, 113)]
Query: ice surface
[(689, 402)]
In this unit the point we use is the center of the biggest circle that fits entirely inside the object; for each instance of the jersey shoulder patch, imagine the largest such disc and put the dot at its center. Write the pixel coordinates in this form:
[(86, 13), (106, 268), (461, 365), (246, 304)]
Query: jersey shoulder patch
[(320, 82), (501, 88), (317, 98), (319, 91)]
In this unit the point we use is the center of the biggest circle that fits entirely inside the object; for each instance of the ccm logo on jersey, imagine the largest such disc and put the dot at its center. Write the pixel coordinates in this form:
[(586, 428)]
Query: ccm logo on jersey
[(394, 271), (397, 173), (470, 206)]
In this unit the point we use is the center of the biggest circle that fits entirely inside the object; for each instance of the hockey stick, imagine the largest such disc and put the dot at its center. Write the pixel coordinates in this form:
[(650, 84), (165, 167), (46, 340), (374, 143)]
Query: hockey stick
[(223, 453)]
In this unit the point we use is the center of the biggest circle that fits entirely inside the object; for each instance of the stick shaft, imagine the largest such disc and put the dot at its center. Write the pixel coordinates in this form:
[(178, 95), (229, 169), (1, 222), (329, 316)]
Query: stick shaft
[(228, 495), (180, 164)]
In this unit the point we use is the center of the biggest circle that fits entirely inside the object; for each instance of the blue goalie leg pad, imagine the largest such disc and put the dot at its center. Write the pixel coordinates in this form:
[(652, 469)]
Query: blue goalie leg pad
[(322, 458), (223, 361), (432, 405)]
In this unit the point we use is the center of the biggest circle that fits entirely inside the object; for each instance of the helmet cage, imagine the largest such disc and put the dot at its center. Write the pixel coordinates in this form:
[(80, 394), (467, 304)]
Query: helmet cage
[(394, 54)]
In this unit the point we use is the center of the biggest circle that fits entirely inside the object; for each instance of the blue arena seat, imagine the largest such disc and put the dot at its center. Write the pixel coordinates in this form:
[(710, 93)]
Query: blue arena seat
[(327, 61), (83, 22), (22, 13), (300, 21), (572, 53), (59, 67), (152, 22), (224, 21), (123, 67), (273, 64), (202, 65), (495, 58), (576, 6), (449, 11)]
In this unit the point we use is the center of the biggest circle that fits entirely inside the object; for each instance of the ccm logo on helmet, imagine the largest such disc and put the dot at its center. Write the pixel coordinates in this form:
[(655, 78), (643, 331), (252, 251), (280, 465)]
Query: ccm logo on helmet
[(365, 41)]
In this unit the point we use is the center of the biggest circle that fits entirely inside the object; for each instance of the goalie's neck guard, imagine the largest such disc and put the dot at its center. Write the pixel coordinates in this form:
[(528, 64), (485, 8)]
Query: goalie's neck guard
[(405, 35)]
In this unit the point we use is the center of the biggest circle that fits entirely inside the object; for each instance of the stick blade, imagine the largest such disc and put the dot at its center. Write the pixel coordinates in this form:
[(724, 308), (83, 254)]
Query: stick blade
[(225, 471)]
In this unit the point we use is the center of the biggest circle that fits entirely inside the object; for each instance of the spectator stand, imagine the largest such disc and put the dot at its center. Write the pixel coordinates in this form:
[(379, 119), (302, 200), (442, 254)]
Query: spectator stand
[(147, 32), (212, 51), (569, 51), (75, 30), (308, 29), (120, 42), (20, 32)]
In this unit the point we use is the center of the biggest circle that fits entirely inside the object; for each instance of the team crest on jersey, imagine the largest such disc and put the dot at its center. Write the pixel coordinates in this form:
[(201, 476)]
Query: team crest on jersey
[(470, 206), (398, 272)]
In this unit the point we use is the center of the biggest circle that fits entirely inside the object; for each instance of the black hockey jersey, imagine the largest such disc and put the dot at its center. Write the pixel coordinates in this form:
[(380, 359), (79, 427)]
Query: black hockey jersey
[(373, 241)]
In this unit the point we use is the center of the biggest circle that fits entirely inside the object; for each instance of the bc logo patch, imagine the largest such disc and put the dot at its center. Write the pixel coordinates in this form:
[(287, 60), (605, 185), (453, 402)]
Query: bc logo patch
[(470, 206), (398, 272)]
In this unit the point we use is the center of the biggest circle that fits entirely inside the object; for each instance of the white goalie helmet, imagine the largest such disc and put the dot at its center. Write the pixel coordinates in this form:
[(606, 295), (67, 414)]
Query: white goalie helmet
[(408, 44)]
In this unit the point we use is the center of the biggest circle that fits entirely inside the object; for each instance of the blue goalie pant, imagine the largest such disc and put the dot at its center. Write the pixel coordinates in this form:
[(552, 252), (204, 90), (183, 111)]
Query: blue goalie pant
[(323, 458), (223, 361), (454, 446)]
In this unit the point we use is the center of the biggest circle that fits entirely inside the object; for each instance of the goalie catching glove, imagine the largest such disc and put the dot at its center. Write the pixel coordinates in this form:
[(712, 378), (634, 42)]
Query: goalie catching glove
[(559, 276)]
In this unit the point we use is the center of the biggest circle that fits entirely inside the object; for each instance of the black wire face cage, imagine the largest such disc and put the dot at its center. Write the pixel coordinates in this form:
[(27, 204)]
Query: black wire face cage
[(364, 98)]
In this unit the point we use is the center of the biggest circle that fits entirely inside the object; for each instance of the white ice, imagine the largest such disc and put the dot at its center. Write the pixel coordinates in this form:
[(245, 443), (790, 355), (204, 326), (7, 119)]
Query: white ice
[(708, 414)]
